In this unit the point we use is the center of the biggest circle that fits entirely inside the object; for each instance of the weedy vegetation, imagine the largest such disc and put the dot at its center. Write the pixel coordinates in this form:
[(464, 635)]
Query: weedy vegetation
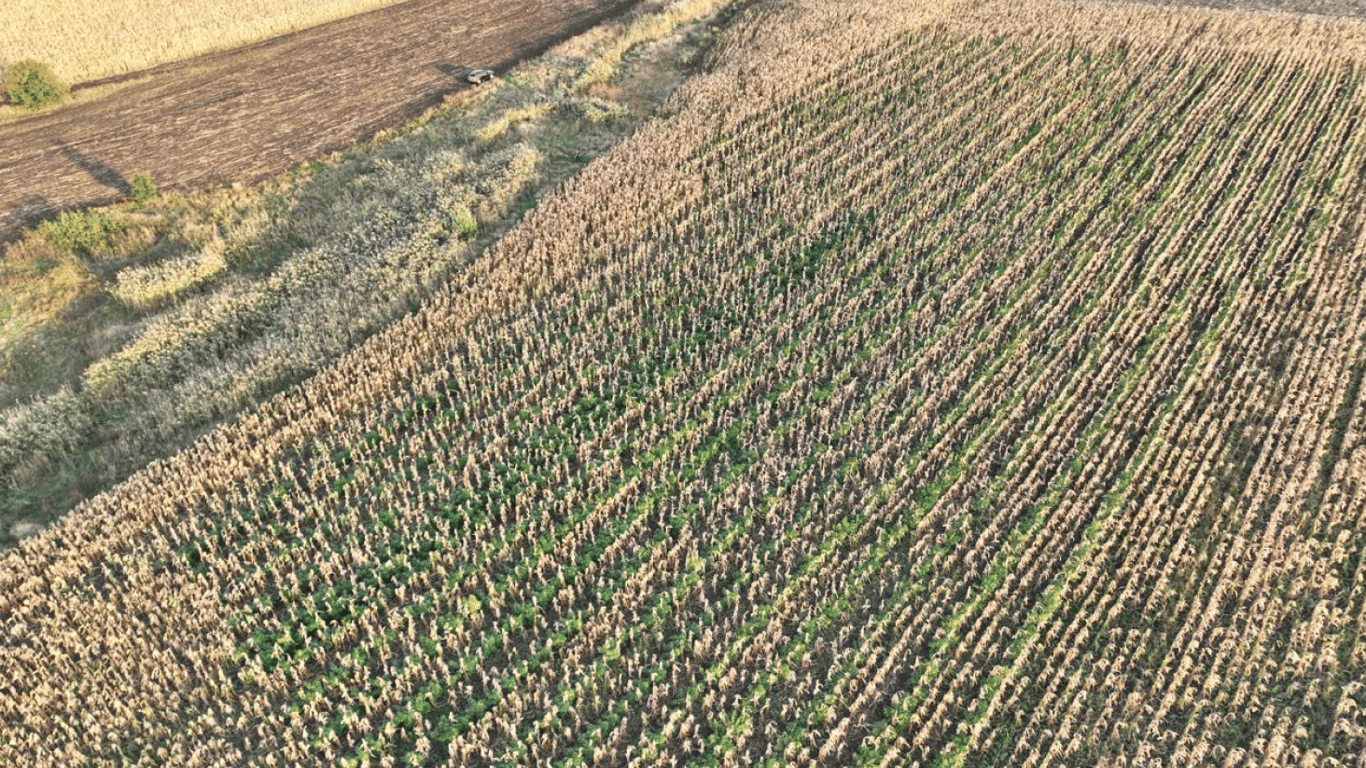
[(141, 189)]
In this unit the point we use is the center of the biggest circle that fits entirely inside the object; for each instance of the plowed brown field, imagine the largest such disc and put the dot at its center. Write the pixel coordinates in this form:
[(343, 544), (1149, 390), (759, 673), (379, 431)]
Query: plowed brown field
[(244, 114)]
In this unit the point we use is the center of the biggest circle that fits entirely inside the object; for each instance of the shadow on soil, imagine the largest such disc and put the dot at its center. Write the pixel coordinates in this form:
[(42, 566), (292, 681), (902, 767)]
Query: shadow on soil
[(453, 71), (97, 170), (33, 210)]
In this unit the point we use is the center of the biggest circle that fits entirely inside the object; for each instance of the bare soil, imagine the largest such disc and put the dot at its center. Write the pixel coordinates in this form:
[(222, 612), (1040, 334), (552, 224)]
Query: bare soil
[(249, 113)]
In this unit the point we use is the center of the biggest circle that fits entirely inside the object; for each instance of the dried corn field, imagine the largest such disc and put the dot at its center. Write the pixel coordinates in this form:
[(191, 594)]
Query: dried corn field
[(999, 405)]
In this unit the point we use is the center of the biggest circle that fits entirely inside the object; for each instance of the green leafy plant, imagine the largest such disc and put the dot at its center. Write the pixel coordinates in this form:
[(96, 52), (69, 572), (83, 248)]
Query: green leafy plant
[(32, 85), (82, 232), (463, 222), (142, 189)]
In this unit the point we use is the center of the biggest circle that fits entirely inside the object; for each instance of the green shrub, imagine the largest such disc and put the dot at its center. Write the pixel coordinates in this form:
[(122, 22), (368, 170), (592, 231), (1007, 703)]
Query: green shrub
[(82, 232), (598, 110), (143, 189), (463, 222), (32, 85)]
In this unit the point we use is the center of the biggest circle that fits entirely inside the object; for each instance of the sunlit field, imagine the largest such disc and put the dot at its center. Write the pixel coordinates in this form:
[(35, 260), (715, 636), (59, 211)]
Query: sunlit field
[(997, 404), (84, 40)]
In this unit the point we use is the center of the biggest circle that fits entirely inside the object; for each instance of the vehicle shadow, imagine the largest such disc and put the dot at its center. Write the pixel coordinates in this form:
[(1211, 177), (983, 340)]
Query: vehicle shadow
[(453, 71)]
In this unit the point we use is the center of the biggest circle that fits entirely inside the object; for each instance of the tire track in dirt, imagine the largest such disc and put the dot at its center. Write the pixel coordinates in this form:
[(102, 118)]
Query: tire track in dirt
[(245, 114)]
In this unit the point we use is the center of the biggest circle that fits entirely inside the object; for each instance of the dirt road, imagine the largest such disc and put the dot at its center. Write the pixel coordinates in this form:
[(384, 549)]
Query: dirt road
[(245, 114)]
